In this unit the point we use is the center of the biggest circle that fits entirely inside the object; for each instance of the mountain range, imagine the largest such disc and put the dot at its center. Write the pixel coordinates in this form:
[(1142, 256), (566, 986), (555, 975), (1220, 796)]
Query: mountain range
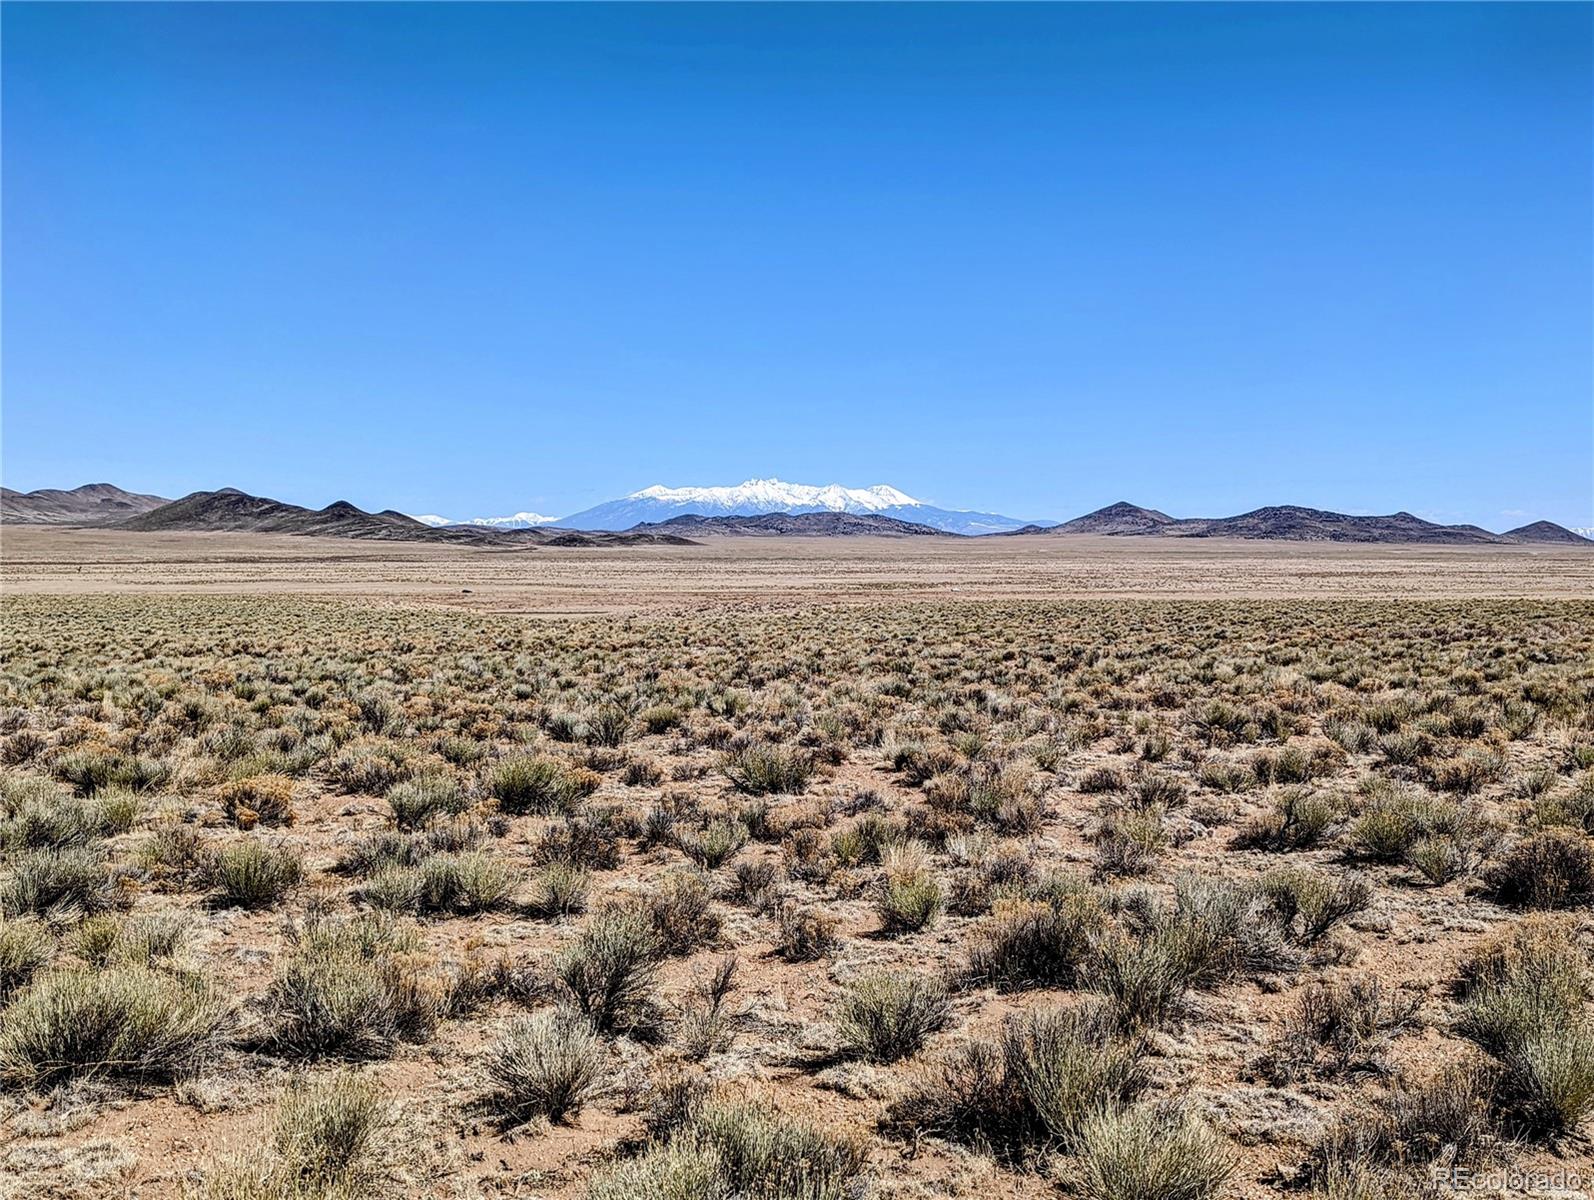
[(229, 510), (91, 504), (755, 497), (804, 524), (1289, 522), (757, 508)]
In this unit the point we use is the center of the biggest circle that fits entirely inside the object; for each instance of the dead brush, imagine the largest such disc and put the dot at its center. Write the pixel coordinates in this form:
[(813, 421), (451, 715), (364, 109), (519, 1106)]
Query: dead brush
[(805, 933), (682, 912), (704, 1026), (1552, 869), (1037, 943), (713, 845), (1298, 819), (590, 840), (1444, 1120), (258, 800), (756, 885), (1338, 1029)]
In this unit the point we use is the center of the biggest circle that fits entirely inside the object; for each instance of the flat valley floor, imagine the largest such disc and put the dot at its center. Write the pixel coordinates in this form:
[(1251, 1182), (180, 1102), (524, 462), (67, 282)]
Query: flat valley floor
[(1041, 862), (40, 560)]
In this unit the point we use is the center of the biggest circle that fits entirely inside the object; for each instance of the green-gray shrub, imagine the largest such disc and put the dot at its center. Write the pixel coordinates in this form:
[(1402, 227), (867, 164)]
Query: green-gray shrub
[(131, 1022), (887, 1015), (547, 1065)]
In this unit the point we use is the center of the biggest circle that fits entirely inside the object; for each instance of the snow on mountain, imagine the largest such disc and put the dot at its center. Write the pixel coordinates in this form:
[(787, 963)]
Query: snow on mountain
[(756, 497), (774, 495), (520, 520)]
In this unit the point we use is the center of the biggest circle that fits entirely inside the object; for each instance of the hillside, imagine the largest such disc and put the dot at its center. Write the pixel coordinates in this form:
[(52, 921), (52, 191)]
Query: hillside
[(1117, 520), (811, 524), (761, 497), (91, 504), (1290, 522), (1294, 523), (1547, 533), (229, 510), (232, 511)]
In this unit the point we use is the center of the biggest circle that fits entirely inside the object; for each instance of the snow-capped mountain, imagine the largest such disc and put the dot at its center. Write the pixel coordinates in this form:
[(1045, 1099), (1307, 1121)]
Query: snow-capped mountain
[(520, 520), (773, 495), (758, 496)]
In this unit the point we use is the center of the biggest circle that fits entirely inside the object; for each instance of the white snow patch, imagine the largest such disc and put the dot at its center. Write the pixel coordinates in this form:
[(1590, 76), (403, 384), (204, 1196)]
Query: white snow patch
[(520, 520), (775, 495)]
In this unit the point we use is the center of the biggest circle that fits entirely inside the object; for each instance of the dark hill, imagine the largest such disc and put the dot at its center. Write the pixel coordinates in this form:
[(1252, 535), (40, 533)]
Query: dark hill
[(1547, 533), (1289, 522), (545, 536), (1118, 520), (91, 504), (231, 511), (1294, 523), (810, 524)]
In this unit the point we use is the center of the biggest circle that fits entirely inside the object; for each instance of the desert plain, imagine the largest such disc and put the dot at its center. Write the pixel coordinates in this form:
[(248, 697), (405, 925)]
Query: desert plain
[(797, 869)]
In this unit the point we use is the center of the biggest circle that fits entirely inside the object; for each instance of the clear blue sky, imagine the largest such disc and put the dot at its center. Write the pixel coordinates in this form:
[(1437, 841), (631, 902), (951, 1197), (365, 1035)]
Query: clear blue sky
[(474, 259)]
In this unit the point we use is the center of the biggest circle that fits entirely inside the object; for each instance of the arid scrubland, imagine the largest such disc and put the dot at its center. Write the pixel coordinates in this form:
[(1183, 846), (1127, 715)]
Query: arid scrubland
[(1127, 899)]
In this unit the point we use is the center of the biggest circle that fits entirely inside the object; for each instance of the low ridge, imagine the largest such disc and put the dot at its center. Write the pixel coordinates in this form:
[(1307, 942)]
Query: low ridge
[(91, 504), (1295, 523), (1117, 520), (808, 524), (1546, 533), (227, 510)]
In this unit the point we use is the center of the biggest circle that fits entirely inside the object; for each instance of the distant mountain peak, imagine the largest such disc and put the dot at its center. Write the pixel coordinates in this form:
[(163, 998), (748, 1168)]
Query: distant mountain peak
[(520, 520), (808, 524), (763, 497), (784, 496)]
